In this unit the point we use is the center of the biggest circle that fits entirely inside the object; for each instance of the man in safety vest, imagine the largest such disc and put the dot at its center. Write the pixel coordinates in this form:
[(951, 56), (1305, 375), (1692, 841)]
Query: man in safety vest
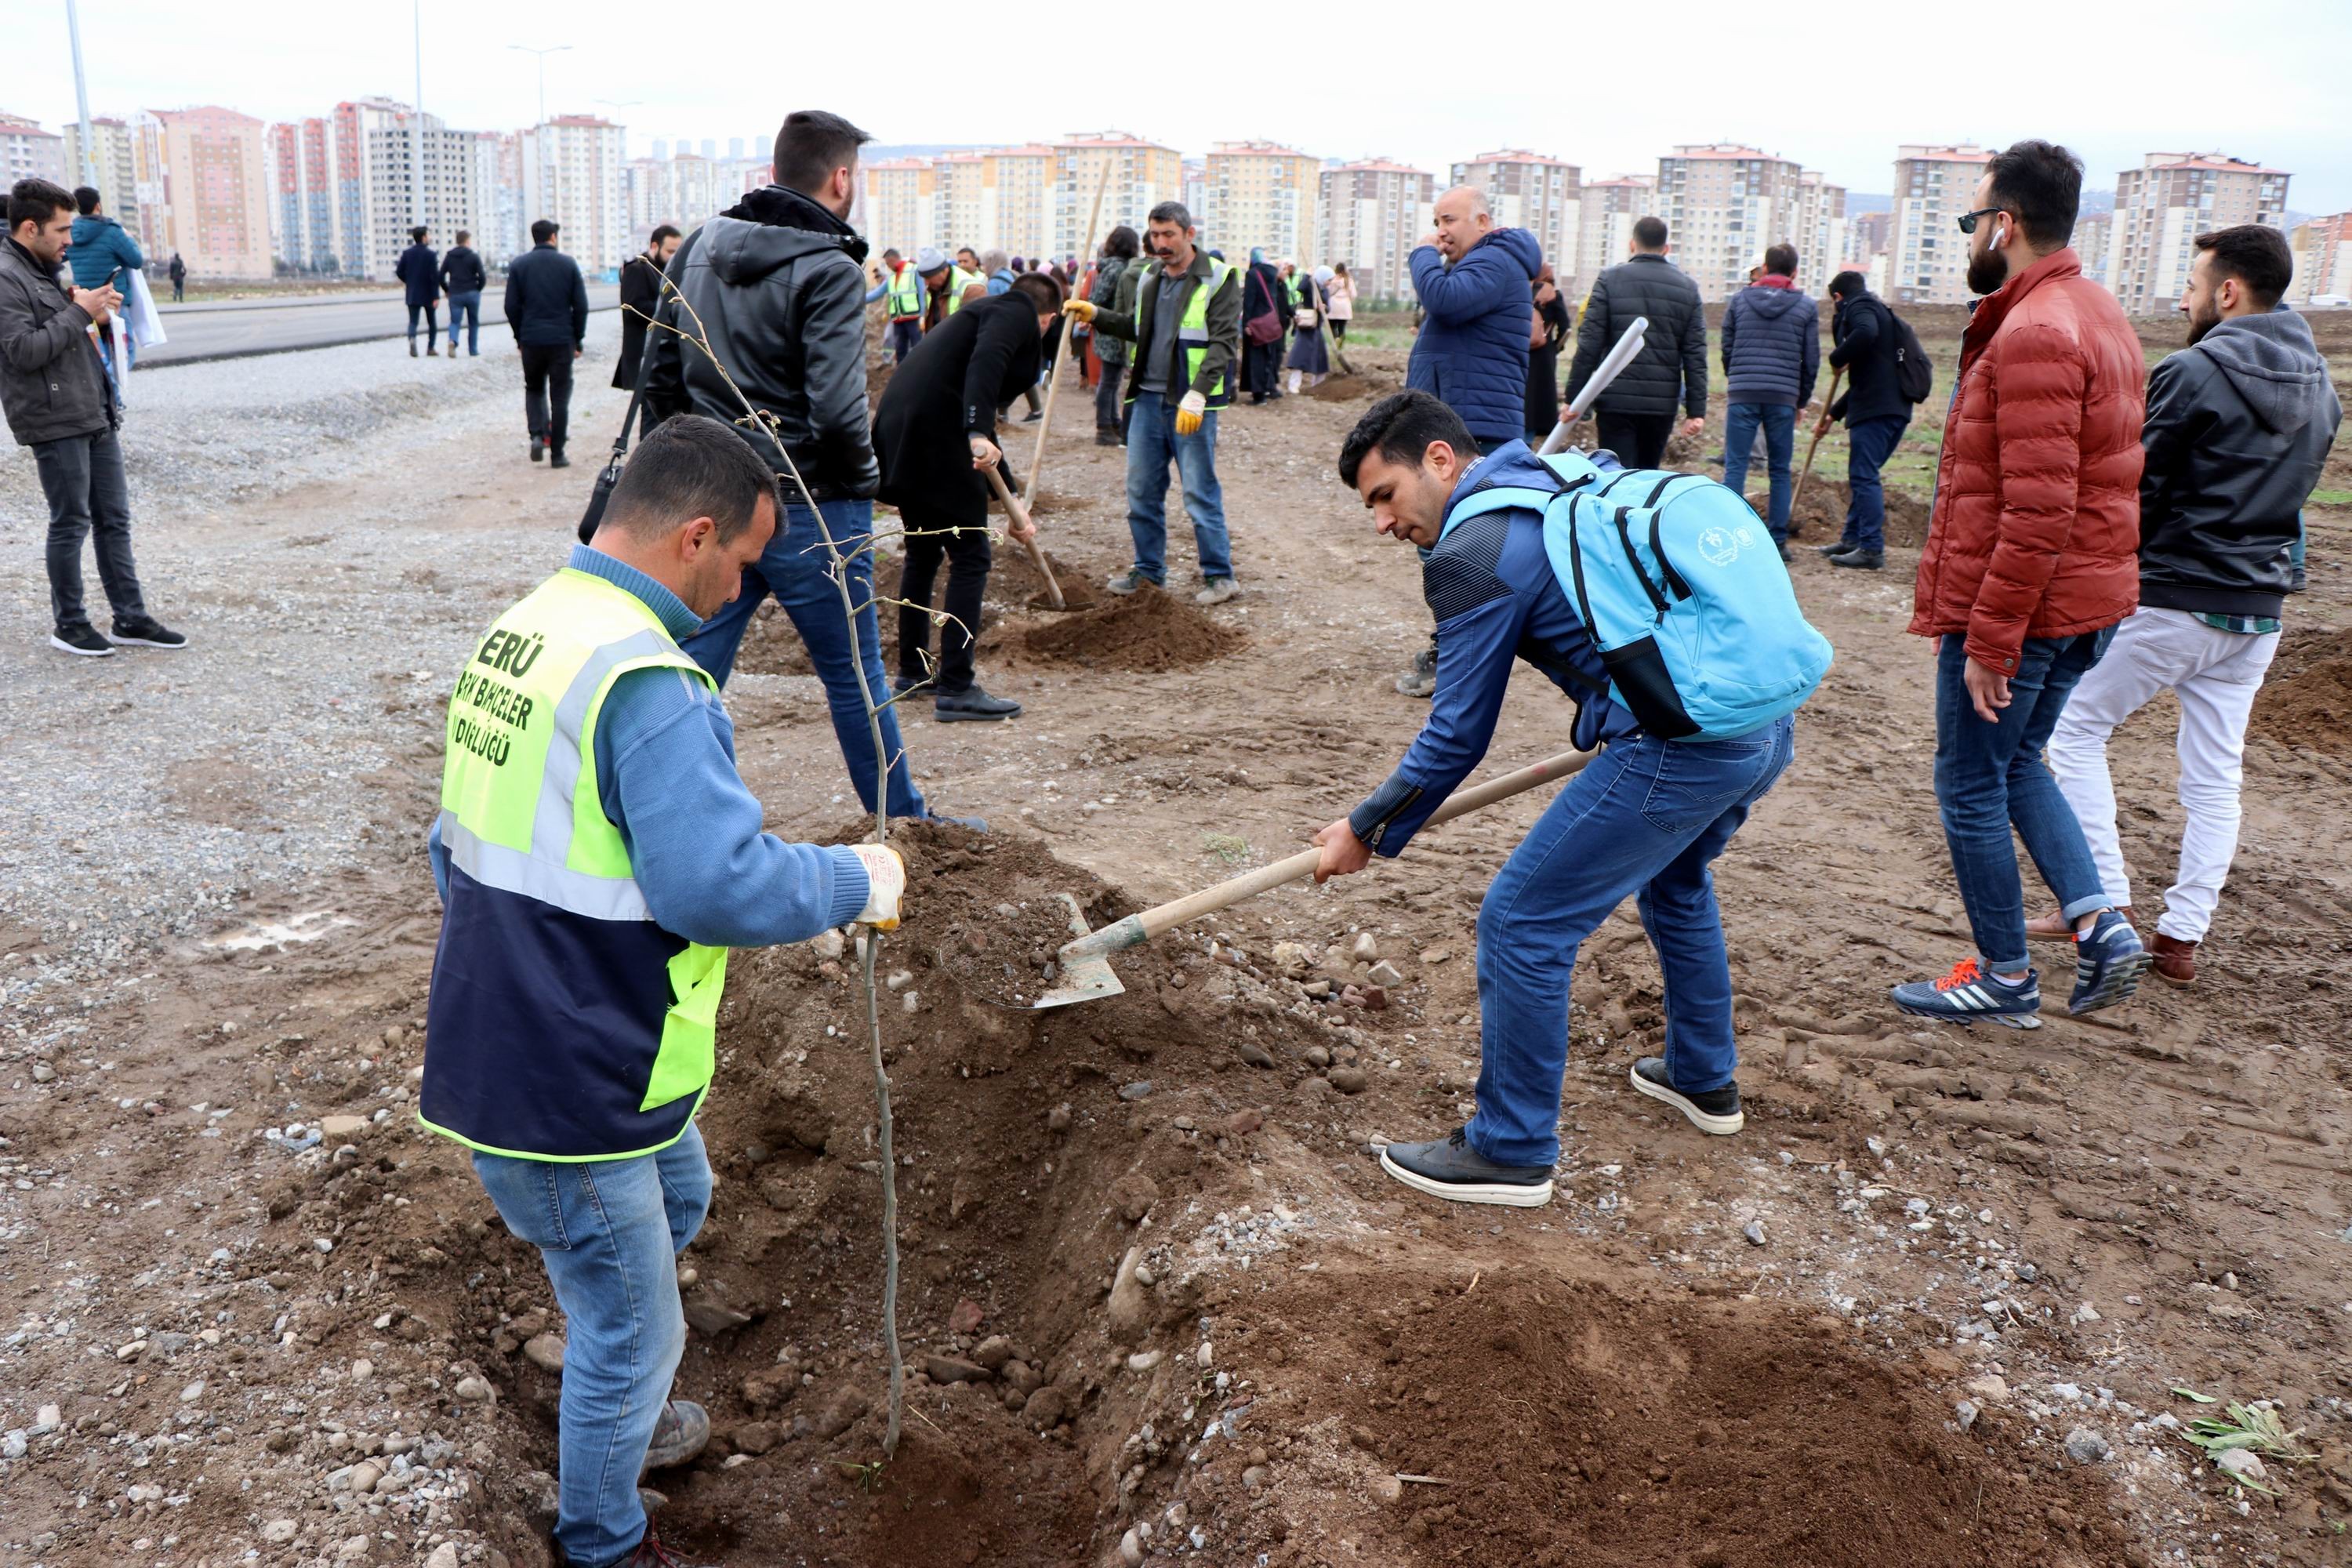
[(1186, 339), (902, 302), (597, 854), (943, 285)]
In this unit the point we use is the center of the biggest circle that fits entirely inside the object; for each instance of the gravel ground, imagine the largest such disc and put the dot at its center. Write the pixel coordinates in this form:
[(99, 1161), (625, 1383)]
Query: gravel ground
[(284, 507)]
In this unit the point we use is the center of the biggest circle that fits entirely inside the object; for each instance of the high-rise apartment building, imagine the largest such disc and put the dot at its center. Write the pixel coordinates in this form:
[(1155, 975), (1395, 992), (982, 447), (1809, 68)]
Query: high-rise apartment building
[(303, 197), (29, 153), (897, 199), (1868, 235), (347, 188), (2323, 258), (958, 188), (2165, 203), (212, 201), (1528, 190), (498, 197), (112, 166), (1604, 230), (1926, 255), (1143, 175), (1261, 193), (2094, 235), (1724, 204), (1820, 232), (1017, 199), (571, 173), (1374, 213)]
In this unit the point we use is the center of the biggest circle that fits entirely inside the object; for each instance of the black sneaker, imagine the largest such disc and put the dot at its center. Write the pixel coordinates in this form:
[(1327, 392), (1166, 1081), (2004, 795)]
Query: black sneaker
[(149, 633), (902, 684), (683, 1431), (1840, 548), (556, 460), (1717, 1111), (1107, 439), (538, 448), (1861, 559), (1449, 1168), (81, 641), (969, 704)]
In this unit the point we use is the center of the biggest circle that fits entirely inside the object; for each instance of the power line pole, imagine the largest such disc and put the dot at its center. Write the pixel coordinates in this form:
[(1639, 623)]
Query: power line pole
[(416, 121), (81, 97)]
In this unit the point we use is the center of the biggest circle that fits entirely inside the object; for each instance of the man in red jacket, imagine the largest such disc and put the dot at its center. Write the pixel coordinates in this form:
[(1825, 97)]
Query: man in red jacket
[(2030, 563)]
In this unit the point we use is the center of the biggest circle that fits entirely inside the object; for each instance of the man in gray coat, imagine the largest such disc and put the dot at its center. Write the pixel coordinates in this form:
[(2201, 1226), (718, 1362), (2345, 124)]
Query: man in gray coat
[(54, 389)]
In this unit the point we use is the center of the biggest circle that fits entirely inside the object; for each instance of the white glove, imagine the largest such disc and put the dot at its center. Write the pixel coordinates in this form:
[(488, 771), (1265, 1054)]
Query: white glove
[(885, 877), (1188, 410)]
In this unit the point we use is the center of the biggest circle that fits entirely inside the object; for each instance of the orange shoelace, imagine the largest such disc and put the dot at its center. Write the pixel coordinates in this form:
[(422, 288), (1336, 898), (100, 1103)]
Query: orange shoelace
[(1964, 972)]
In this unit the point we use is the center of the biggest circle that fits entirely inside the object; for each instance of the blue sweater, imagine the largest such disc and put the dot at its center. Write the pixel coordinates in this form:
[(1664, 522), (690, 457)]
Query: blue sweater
[(1472, 351), (666, 771), (1496, 599)]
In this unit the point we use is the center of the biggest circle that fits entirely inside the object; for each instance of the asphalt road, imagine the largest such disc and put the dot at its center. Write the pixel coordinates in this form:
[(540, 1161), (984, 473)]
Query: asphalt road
[(261, 328)]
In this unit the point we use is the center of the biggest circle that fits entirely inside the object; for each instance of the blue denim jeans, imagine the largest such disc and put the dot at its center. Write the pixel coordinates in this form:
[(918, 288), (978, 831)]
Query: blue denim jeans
[(1778, 422), (1645, 817), (794, 568), (465, 302), (1151, 444), (1868, 446), (1990, 777), (610, 1232)]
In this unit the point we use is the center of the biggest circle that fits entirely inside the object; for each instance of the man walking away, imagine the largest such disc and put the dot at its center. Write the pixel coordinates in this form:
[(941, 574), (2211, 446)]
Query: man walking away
[(420, 269), (778, 282), (935, 439), (547, 307), (1635, 416), (1186, 326), (54, 389), (179, 278), (462, 277), (100, 252), (1867, 343), (641, 295), (2029, 564), (2239, 426), (1772, 352), (611, 908)]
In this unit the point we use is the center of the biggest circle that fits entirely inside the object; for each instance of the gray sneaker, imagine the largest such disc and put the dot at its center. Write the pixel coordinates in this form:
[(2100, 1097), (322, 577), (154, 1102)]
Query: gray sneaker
[(682, 1432), (1127, 581), (1422, 678), (1218, 591), (1449, 1168)]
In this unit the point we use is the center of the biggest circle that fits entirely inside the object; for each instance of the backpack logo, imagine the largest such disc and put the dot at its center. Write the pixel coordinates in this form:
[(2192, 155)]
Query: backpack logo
[(1722, 545)]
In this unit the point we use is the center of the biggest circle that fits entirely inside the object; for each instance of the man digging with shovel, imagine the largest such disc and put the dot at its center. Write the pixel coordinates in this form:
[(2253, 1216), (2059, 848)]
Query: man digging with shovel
[(1645, 818)]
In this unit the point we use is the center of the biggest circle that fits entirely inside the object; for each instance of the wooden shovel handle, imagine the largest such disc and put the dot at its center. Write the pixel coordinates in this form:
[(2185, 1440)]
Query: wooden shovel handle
[(1020, 514)]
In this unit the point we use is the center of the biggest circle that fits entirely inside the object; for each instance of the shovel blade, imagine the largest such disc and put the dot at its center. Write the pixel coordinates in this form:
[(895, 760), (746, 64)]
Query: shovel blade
[(1085, 976)]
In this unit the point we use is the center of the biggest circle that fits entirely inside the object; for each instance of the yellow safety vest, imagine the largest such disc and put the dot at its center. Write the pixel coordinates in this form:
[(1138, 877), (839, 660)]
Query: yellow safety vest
[(1191, 330), (562, 1023), (905, 299), (958, 281)]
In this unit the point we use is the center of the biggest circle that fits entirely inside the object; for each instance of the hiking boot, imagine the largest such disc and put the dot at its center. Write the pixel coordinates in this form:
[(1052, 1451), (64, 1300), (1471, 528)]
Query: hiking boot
[(2055, 926), (83, 642), (556, 460), (146, 632), (1449, 1168), (1217, 592), (1969, 993), (2173, 960), (682, 1432), (2108, 961), (1126, 582), (972, 703), (1107, 439), (1422, 678), (1840, 548), (2295, 581), (1717, 1111), (1861, 559), (650, 1553), (538, 448)]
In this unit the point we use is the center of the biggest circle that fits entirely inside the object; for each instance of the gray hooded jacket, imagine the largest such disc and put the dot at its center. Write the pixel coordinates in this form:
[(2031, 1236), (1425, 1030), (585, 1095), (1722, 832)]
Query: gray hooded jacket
[(2238, 429)]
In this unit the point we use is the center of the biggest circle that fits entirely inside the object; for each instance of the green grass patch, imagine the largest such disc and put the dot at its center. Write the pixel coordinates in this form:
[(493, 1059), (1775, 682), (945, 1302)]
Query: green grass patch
[(2331, 497)]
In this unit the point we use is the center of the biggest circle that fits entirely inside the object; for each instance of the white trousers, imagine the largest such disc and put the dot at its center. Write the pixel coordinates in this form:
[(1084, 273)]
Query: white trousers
[(2215, 675)]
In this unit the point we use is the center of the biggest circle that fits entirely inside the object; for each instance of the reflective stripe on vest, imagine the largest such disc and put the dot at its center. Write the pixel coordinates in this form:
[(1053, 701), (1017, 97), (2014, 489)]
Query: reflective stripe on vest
[(1191, 330), (958, 281), (906, 296), (563, 1023)]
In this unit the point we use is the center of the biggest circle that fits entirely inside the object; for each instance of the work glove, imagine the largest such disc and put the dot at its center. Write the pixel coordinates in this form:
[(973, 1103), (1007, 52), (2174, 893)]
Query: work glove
[(885, 879), (1083, 309), (1189, 412)]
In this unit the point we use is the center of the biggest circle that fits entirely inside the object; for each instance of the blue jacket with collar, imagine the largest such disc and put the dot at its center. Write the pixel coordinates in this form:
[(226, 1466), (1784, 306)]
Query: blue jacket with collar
[(1473, 348), (1496, 600)]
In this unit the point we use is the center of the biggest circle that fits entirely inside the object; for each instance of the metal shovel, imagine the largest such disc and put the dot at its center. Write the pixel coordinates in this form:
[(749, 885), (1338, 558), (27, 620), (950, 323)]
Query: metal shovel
[(1086, 972)]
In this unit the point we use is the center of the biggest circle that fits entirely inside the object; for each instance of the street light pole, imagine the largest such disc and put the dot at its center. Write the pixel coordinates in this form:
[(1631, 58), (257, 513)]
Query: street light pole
[(416, 121), (542, 54), (81, 100)]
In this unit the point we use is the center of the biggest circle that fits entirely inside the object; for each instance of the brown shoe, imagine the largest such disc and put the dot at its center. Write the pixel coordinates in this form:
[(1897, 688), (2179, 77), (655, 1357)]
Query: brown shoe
[(2176, 960), (2055, 926)]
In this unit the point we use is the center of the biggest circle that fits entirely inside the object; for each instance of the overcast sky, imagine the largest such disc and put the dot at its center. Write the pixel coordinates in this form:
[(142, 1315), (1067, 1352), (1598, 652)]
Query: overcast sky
[(1837, 87)]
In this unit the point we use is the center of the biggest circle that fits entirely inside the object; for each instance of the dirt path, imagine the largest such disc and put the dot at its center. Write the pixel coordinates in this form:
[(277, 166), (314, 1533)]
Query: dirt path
[(1735, 1352)]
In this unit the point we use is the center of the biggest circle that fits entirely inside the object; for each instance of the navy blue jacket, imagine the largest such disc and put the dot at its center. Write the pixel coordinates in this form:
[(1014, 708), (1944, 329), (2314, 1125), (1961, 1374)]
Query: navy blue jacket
[(1496, 600), (1473, 348), (1771, 344), (420, 269), (547, 300), (1862, 329)]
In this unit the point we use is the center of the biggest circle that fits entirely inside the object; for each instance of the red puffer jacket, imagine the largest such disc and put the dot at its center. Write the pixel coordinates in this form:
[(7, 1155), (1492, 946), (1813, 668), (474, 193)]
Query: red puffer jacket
[(2035, 531)]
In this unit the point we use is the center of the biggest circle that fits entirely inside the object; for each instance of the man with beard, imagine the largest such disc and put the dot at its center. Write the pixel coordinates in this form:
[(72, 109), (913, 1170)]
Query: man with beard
[(2239, 424), (2030, 563)]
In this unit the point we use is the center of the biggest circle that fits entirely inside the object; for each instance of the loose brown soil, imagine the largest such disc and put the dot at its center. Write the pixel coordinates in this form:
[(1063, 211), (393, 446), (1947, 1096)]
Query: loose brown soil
[(1149, 630), (2307, 699)]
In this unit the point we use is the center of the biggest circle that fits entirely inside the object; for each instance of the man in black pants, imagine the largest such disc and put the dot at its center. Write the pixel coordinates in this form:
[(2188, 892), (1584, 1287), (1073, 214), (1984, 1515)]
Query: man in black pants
[(1636, 415), (935, 439), (547, 306)]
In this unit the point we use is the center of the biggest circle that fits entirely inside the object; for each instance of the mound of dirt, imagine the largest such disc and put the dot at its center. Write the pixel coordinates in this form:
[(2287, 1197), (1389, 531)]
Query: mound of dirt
[(1145, 630), (1013, 580), (1819, 514), (1363, 387), (2307, 699)]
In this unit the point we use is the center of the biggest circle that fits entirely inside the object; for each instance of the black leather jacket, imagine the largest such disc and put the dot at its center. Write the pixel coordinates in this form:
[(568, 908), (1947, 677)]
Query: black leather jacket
[(2238, 429), (778, 284)]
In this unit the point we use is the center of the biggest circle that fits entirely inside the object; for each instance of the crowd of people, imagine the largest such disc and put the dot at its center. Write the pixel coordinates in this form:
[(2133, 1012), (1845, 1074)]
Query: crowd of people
[(2098, 534)]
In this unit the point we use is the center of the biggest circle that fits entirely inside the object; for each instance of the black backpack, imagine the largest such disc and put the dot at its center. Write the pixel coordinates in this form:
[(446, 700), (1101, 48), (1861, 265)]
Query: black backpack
[(1915, 372)]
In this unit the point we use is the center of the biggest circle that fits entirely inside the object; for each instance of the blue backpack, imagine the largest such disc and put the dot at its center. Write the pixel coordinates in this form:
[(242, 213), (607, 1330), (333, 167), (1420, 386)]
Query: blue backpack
[(1682, 589)]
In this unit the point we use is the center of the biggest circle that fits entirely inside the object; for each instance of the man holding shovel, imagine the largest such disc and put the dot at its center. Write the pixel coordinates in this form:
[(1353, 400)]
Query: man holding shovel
[(1646, 818)]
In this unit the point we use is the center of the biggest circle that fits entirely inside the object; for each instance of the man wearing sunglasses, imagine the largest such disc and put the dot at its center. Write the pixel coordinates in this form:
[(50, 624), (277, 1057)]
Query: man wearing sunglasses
[(2031, 562)]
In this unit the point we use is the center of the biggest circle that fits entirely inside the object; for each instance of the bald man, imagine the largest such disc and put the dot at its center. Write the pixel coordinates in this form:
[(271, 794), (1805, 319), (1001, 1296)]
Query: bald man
[(1476, 284)]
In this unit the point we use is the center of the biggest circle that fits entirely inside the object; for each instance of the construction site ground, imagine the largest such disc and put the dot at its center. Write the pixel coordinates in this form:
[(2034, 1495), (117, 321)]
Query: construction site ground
[(1160, 1303)]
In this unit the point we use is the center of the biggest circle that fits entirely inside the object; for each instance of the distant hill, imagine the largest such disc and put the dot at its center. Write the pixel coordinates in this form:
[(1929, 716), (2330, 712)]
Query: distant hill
[(1860, 206)]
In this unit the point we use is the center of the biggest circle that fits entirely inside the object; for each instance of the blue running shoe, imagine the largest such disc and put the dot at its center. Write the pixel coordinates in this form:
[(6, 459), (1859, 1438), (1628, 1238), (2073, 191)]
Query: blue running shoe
[(2108, 963), (1969, 993)]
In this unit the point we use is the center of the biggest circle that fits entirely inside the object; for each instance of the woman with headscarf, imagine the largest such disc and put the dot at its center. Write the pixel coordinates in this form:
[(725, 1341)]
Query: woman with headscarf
[(1119, 252), (1307, 356), (1263, 296), (1547, 327)]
